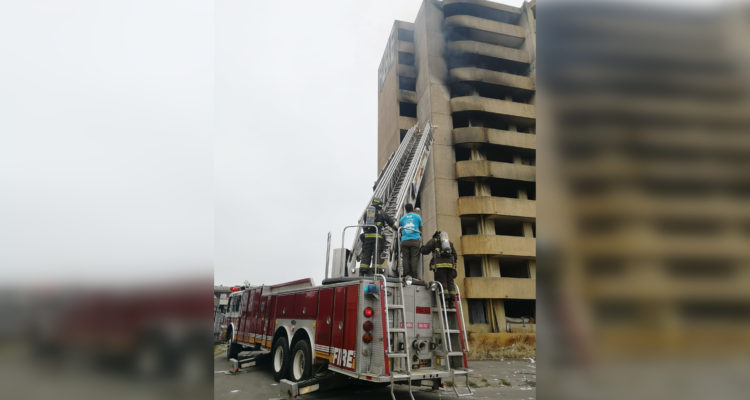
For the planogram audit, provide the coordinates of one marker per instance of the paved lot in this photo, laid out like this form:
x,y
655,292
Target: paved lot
x,y
490,378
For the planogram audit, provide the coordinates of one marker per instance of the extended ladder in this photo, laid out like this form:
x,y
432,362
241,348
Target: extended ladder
x,y
398,183
452,329
397,348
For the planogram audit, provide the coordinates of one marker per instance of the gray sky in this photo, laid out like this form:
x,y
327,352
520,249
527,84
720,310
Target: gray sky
x,y
150,139
106,119
296,112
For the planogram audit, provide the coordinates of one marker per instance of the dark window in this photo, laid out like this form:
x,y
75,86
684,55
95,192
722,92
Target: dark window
x,y
407,109
477,312
514,269
405,35
463,153
405,58
469,226
520,308
465,188
508,227
473,267
402,134
406,83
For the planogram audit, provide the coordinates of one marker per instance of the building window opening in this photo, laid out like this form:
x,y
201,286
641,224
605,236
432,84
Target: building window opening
x,y
405,35
514,268
473,267
466,188
469,226
407,109
405,58
521,309
508,227
477,313
402,135
406,83
463,153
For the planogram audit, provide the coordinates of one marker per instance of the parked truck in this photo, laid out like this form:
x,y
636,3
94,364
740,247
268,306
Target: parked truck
x,y
383,328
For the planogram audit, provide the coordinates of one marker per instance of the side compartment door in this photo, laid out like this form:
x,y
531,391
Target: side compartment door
x,y
323,324
344,335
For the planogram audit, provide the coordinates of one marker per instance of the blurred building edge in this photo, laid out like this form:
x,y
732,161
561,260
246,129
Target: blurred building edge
x,y
468,68
153,330
644,180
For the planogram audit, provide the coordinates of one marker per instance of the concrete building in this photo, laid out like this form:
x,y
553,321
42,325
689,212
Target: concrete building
x,y
468,67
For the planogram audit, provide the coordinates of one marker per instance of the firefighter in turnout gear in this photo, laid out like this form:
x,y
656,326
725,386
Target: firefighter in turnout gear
x,y
443,263
374,215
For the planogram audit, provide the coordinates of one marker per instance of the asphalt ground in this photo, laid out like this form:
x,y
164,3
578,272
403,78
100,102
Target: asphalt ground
x,y
502,379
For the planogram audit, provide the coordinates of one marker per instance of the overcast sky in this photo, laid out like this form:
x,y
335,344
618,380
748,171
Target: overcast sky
x,y
152,139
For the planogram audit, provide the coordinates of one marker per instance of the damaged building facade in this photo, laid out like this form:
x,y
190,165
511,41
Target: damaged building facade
x,y
468,67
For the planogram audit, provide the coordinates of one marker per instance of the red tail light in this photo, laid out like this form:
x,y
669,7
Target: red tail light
x,y
367,326
367,338
368,312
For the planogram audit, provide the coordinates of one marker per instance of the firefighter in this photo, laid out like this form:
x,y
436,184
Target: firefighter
x,y
443,263
374,215
411,240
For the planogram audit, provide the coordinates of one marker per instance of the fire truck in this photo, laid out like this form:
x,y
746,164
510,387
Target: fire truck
x,y
383,328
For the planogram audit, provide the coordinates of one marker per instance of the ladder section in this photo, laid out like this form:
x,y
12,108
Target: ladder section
x,y
399,181
397,352
455,343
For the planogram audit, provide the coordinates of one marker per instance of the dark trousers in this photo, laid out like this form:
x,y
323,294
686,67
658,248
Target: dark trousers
x,y
410,258
445,277
368,248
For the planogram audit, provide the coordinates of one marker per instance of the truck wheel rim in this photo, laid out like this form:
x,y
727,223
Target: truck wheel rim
x,y
278,357
298,367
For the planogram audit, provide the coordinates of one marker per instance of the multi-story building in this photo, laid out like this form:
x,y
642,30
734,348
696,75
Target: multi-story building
x,y
468,67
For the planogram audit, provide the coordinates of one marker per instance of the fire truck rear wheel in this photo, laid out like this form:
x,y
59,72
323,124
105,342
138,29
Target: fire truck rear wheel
x,y
233,350
301,361
280,358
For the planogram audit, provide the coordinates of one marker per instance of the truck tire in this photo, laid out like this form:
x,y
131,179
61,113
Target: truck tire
x,y
233,350
301,361
280,358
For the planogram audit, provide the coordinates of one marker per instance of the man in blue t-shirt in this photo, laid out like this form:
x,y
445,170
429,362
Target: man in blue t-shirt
x,y
411,240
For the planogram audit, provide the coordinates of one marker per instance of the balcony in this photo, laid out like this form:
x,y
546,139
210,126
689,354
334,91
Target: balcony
x,y
513,246
500,288
494,136
487,30
503,107
493,169
489,50
493,77
499,206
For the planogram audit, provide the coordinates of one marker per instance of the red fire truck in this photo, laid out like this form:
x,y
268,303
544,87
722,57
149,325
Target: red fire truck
x,y
376,329
383,328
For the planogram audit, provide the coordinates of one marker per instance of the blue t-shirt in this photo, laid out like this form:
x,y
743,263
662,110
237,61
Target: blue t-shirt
x,y
410,221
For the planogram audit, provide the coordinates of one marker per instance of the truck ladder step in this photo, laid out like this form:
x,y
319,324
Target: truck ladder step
x,y
397,355
399,330
455,354
449,330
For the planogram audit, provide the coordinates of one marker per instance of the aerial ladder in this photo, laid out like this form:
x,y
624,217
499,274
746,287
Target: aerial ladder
x,y
398,184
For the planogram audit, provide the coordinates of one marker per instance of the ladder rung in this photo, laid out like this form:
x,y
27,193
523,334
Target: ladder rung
x,y
396,306
397,355
439,310
455,354
398,330
449,330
